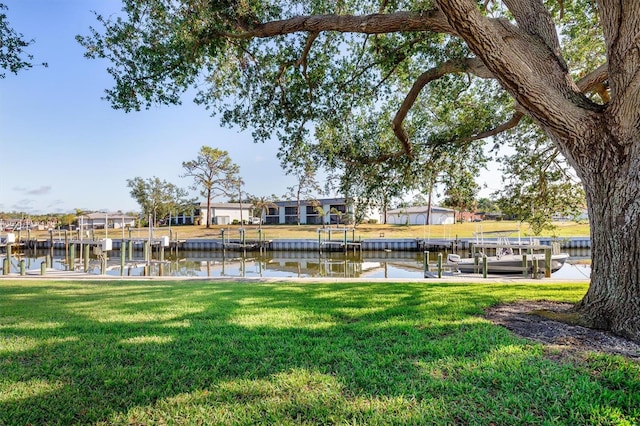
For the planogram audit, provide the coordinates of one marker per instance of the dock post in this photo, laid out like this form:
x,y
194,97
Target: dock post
x,y
48,261
66,248
86,257
485,266
146,251
22,266
6,267
319,241
222,237
43,267
176,244
547,263
525,270
123,253
476,264
426,263
72,256
130,250
439,265
103,264
345,241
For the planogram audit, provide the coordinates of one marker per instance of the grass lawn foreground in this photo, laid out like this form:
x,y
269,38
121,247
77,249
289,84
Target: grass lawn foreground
x,y
199,352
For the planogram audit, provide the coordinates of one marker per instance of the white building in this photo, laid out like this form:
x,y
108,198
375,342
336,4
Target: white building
x,y
225,213
324,211
417,215
98,220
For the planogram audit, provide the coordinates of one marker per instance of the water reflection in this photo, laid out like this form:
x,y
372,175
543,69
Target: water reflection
x,y
273,264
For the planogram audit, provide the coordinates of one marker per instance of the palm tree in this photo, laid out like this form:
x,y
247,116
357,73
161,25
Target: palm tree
x,y
262,204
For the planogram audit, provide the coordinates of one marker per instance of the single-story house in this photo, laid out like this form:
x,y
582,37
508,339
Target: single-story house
x,y
580,217
98,220
224,213
417,215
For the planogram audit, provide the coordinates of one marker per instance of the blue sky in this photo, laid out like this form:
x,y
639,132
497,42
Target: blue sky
x,y
62,147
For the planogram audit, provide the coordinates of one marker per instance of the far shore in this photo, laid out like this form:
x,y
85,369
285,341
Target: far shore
x,y
362,231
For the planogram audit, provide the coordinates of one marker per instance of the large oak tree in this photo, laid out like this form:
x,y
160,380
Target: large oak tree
x,y
446,73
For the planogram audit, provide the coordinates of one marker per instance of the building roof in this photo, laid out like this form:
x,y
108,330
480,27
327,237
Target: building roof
x,y
309,202
245,206
110,215
420,209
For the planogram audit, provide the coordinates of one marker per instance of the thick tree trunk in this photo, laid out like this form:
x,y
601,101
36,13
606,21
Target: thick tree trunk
x,y
612,186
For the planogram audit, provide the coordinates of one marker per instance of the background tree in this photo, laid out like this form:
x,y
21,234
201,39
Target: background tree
x,y
487,205
213,174
306,188
239,183
320,211
261,205
539,183
286,68
67,219
460,193
13,56
157,198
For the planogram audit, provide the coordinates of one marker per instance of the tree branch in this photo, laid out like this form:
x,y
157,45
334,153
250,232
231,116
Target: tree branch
x,y
303,61
454,66
431,20
594,79
534,18
527,67
513,122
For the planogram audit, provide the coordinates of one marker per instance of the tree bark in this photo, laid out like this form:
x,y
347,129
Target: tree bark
x,y
208,208
612,184
601,143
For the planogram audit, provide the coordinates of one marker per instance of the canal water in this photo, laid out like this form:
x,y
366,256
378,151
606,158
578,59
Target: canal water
x,y
272,264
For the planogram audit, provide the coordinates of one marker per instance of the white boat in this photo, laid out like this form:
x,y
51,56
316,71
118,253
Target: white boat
x,y
506,257
506,263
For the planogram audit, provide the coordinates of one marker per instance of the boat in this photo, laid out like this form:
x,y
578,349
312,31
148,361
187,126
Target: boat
x,y
506,263
506,257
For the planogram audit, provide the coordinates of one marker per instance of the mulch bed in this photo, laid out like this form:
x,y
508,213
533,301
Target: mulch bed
x,y
565,338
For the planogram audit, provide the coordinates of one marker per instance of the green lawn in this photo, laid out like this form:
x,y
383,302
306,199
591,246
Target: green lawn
x,y
197,352
363,231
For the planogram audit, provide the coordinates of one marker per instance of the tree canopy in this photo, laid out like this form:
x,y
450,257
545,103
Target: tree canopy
x,y
158,198
13,55
443,74
213,173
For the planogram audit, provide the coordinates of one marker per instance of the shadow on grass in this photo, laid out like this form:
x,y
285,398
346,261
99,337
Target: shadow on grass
x,y
278,353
